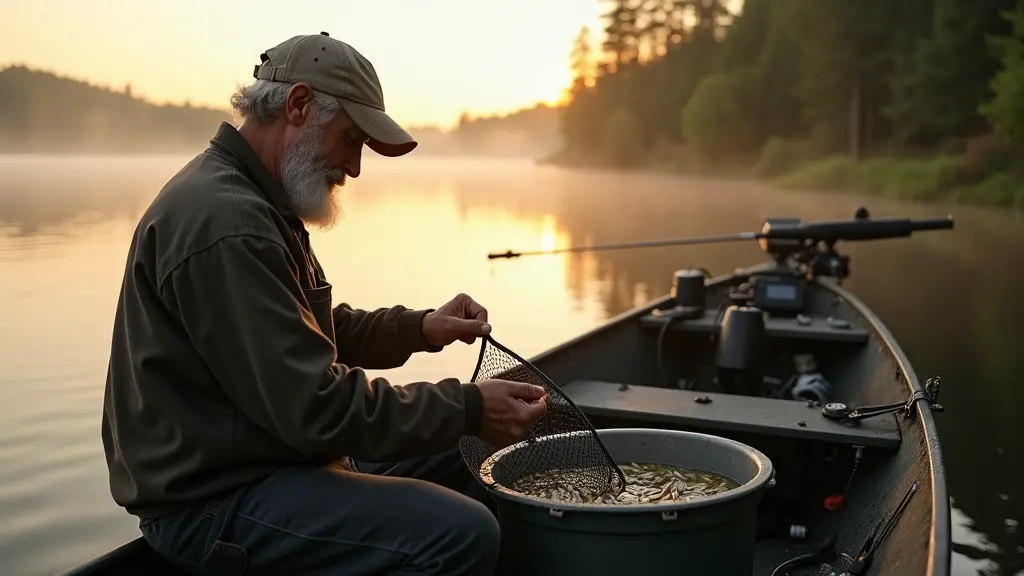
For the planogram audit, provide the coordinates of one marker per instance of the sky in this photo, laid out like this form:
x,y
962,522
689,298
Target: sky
x,y
435,58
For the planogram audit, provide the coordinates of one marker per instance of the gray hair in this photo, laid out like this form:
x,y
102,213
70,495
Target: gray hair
x,y
263,101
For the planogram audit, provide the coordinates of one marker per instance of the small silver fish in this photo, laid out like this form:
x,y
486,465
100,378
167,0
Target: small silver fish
x,y
645,483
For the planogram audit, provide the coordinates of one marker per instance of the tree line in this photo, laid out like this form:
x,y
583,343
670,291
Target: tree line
x,y
778,84
524,133
43,112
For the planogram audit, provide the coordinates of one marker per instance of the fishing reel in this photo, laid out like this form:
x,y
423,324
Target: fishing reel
x,y
781,249
815,254
828,262
813,259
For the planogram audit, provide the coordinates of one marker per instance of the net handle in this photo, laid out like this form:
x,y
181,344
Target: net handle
x,y
488,339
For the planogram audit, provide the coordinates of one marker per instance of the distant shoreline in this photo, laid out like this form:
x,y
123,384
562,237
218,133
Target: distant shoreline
x,y
43,113
926,180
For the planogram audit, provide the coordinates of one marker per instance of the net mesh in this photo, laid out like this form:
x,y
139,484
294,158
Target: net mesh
x,y
579,456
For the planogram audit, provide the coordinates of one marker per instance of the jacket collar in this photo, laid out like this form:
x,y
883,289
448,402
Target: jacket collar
x,y
230,141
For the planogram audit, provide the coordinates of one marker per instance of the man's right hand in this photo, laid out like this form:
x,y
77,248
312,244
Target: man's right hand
x,y
510,409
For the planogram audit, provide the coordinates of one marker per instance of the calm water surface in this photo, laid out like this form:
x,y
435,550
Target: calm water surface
x,y
416,232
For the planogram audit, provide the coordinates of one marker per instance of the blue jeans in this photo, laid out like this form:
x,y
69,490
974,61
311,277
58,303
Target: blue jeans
x,y
424,516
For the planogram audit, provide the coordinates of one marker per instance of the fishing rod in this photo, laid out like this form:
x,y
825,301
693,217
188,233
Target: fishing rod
x,y
778,236
627,245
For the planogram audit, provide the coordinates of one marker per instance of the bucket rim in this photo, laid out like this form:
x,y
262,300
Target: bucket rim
x,y
764,479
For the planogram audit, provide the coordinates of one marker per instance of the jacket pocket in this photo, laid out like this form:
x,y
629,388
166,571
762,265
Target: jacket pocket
x,y
319,300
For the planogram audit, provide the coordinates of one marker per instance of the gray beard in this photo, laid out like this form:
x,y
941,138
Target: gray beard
x,y
311,187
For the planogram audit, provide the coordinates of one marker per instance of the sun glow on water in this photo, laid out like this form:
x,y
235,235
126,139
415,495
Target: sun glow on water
x,y
549,233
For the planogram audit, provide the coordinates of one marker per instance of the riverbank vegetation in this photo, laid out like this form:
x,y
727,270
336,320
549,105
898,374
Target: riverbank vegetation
x,y
917,99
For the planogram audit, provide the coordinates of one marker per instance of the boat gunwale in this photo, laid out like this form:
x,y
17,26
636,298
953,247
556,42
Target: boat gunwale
x,y
941,530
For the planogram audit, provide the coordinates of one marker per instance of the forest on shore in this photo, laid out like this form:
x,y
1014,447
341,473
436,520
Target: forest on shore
x,y
41,112
44,113
916,99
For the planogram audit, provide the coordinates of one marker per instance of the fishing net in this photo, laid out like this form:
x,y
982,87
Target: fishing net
x,y
562,440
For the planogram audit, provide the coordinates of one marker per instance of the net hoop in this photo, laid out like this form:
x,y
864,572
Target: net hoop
x,y
472,447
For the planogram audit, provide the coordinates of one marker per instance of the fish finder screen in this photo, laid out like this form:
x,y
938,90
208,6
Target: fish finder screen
x,y
781,291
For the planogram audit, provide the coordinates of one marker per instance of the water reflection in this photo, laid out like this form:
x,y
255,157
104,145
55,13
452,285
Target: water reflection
x,y
42,193
416,232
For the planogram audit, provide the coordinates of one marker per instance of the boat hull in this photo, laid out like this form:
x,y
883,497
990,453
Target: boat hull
x,y
865,366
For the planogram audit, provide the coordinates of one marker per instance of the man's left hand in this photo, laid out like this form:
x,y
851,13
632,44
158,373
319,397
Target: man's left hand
x,y
460,319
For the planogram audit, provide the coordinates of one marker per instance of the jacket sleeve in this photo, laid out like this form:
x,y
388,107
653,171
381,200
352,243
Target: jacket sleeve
x,y
242,305
379,339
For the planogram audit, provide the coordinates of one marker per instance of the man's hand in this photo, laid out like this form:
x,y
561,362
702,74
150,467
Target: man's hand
x,y
460,319
510,409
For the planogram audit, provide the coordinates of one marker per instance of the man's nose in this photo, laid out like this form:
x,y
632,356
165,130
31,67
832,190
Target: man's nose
x,y
353,164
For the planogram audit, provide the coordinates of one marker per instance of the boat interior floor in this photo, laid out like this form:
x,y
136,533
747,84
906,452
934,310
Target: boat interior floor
x,y
769,554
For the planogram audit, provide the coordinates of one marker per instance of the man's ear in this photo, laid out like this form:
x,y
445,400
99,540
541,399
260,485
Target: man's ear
x,y
298,104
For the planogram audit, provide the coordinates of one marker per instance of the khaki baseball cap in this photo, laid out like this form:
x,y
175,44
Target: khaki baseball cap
x,y
333,67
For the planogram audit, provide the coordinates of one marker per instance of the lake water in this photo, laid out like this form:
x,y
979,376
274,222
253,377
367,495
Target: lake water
x,y
416,232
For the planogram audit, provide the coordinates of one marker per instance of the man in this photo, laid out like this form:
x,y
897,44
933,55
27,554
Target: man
x,y
238,422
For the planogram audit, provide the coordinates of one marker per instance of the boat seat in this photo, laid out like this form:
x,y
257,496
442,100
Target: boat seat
x,y
818,327
727,413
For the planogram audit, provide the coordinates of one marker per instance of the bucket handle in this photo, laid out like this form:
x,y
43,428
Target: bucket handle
x,y
771,481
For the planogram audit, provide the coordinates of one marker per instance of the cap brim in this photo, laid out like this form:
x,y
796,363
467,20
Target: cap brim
x,y
387,138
